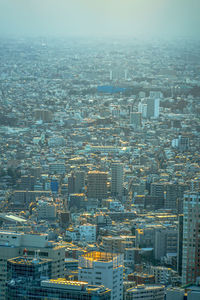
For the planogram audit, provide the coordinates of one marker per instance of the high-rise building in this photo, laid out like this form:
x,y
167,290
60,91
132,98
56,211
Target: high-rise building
x,y
117,177
76,182
180,244
157,190
171,196
153,106
71,184
46,209
182,143
135,119
142,108
155,94
97,185
43,114
191,238
102,268
26,183
79,181
77,201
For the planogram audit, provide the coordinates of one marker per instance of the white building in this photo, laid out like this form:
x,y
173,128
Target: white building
x,y
88,233
46,210
82,233
101,268
142,108
162,274
146,292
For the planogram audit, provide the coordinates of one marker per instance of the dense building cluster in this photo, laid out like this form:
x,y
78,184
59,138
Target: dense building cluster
x,y
99,169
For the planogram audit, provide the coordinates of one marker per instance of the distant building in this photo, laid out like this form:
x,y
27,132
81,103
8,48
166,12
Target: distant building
x,y
27,183
165,242
191,244
171,196
46,210
150,292
107,149
141,278
56,141
77,201
43,114
71,183
88,233
142,108
175,293
71,290
153,106
97,185
162,275
182,143
117,178
57,168
155,94
180,244
22,198
79,181
135,119
65,219
157,190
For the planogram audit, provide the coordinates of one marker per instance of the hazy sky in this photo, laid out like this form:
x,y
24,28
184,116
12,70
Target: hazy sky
x,y
100,17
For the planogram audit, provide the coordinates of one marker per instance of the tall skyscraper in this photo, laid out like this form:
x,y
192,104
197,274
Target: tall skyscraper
x,y
117,177
191,237
102,268
135,119
157,190
171,196
97,185
153,106
180,244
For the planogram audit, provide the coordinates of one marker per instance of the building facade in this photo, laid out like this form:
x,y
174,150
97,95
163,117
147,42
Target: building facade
x,y
102,268
146,292
117,177
191,238
97,185
13,244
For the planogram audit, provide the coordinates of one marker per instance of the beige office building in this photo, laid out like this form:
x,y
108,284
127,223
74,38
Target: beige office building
x,y
14,244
